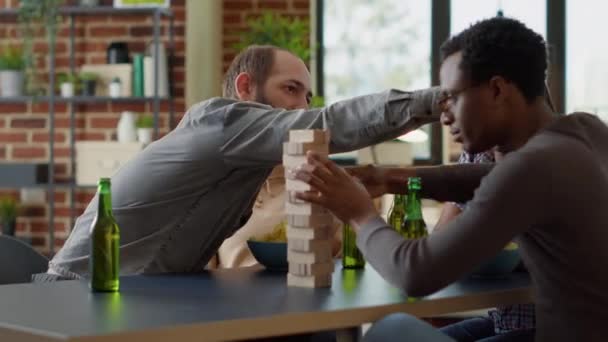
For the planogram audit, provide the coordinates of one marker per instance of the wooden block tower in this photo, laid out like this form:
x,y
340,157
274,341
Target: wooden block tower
x,y
308,225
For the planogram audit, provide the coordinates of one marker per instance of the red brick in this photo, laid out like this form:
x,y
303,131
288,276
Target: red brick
x,y
63,211
43,107
142,31
130,19
90,136
39,242
29,152
65,123
89,46
62,152
33,211
97,59
238,5
137,46
301,4
93,107
60,47
12,137
21,227
61,197
85,197
64,62
175,3
104,31
179,14
2,152
28,123
103,122
232,18
94,19
126,106
59,242
13,108
272,4
2,123
65,32
61,169
44,137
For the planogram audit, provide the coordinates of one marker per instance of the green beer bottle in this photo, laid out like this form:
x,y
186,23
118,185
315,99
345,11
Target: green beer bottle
x,y
396,215
414,226
351,255
105,239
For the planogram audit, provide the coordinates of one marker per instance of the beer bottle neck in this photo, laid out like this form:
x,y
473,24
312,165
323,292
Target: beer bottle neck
x,y
105,200
414,210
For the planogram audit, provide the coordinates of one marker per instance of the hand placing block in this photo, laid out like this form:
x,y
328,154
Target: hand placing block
x,y
309,281
311,269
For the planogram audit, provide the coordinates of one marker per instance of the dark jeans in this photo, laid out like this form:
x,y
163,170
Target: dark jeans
x,y
482,329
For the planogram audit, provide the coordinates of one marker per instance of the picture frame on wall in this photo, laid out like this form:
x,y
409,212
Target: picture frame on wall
x,y
141,3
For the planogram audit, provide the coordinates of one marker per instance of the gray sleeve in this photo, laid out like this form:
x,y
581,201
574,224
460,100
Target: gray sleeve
x,y
254,133
511,199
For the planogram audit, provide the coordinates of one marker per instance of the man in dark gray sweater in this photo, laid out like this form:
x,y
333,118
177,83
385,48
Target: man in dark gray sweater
x,y
547,193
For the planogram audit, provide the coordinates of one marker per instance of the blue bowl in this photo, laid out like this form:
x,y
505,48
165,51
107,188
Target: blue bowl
x,y
272,255
500,265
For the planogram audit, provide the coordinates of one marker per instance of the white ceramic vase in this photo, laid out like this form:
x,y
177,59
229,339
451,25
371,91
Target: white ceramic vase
x,y
126,128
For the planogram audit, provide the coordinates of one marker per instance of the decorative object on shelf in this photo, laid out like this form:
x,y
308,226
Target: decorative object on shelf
x,y
142,3
11,71
88,83
88,3
97,159
125,131
8,215
108,72
138,74
114,88
37,16
145,125
68,83
163,76
118,53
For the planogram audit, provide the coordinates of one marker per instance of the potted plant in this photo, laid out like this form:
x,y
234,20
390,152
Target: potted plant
x,y
8,215
68,83
88,83
144,124
12,65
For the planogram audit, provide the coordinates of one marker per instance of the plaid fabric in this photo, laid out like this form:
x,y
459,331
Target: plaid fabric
x,y
506,318
513,317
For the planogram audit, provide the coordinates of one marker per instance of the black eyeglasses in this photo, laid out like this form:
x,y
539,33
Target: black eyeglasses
x,y
449,97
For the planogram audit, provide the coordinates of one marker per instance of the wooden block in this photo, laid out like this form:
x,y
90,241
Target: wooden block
x,y
293,162
291,198
320,233
323,255
310,221
308,245
318,136
300,149
309,281
304,209
297,185
311,269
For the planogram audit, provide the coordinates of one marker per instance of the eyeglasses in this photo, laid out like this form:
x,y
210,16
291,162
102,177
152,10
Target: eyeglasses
x,y
449,97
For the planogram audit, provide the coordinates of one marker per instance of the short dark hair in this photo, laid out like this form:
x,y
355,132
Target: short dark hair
x,y
257,60
502,47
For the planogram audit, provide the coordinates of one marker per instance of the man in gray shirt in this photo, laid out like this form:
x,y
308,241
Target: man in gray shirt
x,y
548,192
178,199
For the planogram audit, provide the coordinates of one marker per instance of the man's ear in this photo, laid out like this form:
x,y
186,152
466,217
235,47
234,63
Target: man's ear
x,y
499,87
243,84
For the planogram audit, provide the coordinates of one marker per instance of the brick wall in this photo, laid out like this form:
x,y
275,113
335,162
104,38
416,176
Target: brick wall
x,y
24,126
236,13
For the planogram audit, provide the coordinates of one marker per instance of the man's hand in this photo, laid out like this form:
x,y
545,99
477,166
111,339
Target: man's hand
x,y
336,190
373,178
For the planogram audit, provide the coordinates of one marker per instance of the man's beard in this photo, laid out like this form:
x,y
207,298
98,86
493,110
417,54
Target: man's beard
x,y
260,97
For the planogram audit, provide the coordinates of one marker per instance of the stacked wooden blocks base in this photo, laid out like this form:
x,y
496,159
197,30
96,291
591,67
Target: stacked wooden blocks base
x,y
308,225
